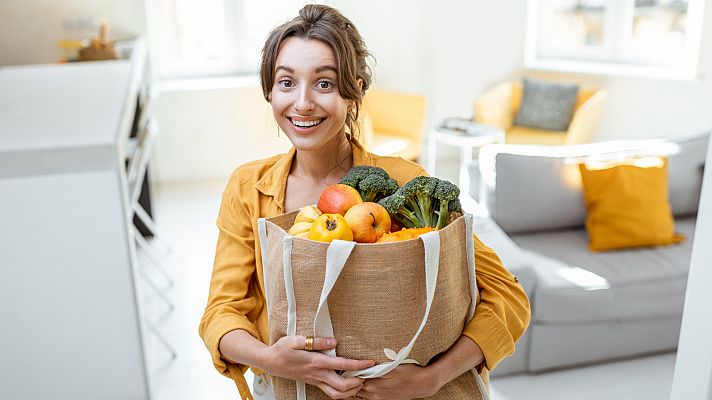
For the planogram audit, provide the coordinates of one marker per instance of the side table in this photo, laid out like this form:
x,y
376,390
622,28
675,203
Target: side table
x,y
477,138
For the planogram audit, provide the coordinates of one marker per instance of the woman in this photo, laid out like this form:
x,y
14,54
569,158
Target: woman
x,y
314,74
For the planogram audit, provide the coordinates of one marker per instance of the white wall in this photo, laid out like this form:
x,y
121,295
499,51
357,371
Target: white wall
x,y
205,134
30,29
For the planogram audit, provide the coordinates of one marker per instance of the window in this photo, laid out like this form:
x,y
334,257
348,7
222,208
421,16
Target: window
x,y
640,37
192,39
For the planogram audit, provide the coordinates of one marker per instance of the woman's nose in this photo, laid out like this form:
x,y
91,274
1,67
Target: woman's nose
x,y
304,102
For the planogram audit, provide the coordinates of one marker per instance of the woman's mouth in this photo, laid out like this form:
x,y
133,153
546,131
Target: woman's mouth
x,y
306,124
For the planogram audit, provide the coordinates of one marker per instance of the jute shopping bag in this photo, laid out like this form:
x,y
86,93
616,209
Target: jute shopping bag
x,y
402,302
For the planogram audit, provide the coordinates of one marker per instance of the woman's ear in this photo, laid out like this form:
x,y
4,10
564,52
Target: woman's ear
x,y
360,85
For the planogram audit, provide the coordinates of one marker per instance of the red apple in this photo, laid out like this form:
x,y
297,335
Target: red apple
x,y
337,199
368,221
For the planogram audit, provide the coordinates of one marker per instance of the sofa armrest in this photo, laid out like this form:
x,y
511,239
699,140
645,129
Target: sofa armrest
x,y
585,119
494,106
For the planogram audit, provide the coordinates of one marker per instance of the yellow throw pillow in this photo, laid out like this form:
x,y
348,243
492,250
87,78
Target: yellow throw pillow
x,y
627,204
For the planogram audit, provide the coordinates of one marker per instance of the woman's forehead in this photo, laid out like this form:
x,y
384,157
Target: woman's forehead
x,y
305,55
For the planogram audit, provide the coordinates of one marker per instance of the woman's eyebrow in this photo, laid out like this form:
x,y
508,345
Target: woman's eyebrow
x,y
317,70
326,68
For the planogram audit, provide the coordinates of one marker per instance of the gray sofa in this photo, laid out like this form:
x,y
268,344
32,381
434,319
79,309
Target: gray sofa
x,y
586,306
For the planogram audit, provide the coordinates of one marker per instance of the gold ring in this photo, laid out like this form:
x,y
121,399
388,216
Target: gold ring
x,y
309,343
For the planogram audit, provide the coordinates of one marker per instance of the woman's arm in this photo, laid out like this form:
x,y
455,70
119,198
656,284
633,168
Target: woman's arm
x,y
502,314
287,358
410,381
234,303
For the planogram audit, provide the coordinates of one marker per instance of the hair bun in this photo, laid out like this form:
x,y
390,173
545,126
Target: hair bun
x,y
312,13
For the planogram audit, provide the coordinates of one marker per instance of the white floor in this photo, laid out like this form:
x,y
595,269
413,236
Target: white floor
x,y
186,214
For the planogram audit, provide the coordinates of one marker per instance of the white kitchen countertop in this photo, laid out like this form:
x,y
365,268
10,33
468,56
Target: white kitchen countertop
x,y
59,118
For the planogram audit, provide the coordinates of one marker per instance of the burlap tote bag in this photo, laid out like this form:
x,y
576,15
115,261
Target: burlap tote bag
x,y
403,302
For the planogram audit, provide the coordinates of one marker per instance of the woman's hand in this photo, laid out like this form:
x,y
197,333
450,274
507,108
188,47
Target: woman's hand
x,y
287,358
410,381
405,382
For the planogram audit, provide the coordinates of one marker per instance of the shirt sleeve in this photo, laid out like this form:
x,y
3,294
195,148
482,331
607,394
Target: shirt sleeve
x,y
502,314
234,300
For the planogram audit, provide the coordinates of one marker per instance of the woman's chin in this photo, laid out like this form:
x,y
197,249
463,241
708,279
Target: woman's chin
x,y
309,143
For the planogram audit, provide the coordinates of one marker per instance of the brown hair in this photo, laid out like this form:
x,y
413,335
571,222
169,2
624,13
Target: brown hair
x,y
326,24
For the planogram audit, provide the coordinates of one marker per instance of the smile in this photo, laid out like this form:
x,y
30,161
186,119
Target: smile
x,y
305,124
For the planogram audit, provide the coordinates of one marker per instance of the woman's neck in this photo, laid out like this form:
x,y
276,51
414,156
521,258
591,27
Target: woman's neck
x,y
326,165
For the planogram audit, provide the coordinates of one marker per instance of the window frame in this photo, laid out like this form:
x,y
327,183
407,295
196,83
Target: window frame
x,y
614,57
228,70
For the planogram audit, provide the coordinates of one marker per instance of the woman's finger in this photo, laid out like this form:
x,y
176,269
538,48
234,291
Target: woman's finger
x,y
342,364
336,394
340,383
320,343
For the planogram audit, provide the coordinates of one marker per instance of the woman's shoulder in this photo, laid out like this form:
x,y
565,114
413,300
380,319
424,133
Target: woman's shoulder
x,y
398,168
252,172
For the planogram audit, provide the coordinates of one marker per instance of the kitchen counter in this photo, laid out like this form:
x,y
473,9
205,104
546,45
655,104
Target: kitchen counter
x,y
68,275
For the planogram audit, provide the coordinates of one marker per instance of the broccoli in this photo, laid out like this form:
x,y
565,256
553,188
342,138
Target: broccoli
x,y
447,194
372,183
424,201
420,191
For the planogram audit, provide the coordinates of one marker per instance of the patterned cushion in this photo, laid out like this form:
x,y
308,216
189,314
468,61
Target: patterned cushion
x,y
547,105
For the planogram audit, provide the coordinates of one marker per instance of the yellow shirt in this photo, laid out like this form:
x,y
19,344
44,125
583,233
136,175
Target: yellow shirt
x,y
236,299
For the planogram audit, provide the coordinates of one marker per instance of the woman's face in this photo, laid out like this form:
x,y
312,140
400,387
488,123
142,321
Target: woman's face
x,y
305,100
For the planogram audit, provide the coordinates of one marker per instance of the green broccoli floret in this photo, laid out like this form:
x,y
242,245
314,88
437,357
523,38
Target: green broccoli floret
x,y
396,206
447,194
420,198
424,201
372,183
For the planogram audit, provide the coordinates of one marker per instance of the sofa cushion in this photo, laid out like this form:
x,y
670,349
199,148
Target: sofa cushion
x,y
575,286
627,204
547,105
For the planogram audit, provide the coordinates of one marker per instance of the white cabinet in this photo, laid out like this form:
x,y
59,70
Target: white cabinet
x,y
70,325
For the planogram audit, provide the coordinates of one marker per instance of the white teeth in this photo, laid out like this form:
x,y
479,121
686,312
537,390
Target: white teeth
x,y
305,124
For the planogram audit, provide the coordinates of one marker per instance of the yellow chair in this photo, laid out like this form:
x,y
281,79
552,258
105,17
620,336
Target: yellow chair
x,y
393,124
499,105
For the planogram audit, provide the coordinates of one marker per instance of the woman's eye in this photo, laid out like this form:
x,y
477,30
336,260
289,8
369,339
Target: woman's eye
x,y
325,84
286,83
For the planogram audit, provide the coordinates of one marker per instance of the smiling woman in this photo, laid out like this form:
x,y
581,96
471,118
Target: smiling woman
x,y
305,99
314,75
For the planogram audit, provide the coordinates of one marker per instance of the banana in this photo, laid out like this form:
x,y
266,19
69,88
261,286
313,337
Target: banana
x,y
303,235
300,228
307,214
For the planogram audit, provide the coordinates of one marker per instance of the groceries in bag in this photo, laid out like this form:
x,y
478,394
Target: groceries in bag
x,y
374,206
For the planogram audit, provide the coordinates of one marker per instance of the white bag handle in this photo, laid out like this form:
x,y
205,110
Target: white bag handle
x,y
336,258
291,303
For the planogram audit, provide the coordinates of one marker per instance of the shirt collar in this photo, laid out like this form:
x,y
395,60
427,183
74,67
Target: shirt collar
x,y
274,181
